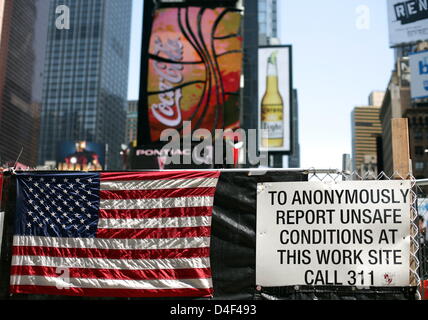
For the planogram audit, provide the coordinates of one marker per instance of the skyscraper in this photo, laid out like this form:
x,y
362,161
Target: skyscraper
x,y
398,104
260,29
249,105
131,122
366,128
86,77
23,26
268,22
294,159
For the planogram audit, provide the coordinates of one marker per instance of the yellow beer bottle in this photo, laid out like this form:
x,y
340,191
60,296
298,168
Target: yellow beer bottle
x,y
272,108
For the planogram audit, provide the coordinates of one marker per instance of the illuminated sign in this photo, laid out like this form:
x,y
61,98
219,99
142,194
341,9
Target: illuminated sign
x,y
80,155
194,70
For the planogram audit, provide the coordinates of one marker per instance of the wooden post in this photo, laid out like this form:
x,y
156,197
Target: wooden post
x,y
403,168
401,148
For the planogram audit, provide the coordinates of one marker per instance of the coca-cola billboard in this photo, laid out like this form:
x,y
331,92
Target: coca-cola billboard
x,y
194,69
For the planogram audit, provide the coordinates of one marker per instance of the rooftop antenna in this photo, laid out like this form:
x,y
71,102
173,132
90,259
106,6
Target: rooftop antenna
x,y
14,166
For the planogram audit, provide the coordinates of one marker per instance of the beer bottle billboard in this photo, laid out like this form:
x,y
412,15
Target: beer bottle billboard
x,y
272,107
274,99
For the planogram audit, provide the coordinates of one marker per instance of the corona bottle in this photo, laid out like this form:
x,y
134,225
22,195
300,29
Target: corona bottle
x,y
272,108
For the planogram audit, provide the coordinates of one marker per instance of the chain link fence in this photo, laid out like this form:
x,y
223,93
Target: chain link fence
x,y
418,217
421,221
232,209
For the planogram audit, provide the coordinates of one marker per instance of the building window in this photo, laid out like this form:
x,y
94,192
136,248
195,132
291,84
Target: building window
x,y
364,124
419,151
420,166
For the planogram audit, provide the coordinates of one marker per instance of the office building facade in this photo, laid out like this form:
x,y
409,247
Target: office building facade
x,y
294,158
366,128
346,163
376,98
261,18
131,122
86,77
398,104
249,98
268,21
416,111
393,106
418,137
23,26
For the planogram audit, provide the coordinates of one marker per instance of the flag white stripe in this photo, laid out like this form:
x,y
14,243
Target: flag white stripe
x,y
163,203
183,222
119,244
111,284
97,263
159,184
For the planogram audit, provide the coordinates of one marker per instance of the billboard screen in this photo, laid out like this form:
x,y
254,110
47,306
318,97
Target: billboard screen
x,y
194,69
408,21
275,87
80,155
419,75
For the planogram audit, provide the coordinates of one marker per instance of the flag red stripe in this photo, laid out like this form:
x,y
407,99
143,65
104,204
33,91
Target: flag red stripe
x,y
118,274
156,194
131,293
161,233
156,213
159,175
111,253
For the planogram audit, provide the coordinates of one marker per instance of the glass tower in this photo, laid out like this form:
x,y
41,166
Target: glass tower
x,y
86,77
23,26
131,122
268,23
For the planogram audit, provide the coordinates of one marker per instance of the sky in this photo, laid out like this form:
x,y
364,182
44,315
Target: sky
x,y
336,66
340,55
136,37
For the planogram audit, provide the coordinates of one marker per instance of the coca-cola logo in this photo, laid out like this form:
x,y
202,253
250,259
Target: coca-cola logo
x,y
168,111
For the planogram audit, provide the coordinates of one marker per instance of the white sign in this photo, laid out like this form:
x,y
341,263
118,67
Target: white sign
x,y
408,21
275,99
351,233
419,74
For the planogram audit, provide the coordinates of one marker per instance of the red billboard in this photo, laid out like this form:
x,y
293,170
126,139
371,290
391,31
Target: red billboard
x,y
195,63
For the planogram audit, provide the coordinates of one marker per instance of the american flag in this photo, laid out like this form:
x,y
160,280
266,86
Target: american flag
x,y
114,234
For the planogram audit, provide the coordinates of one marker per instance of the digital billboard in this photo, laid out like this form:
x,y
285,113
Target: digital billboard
x,y
408,21
80,155
275,87
194,69
419,75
